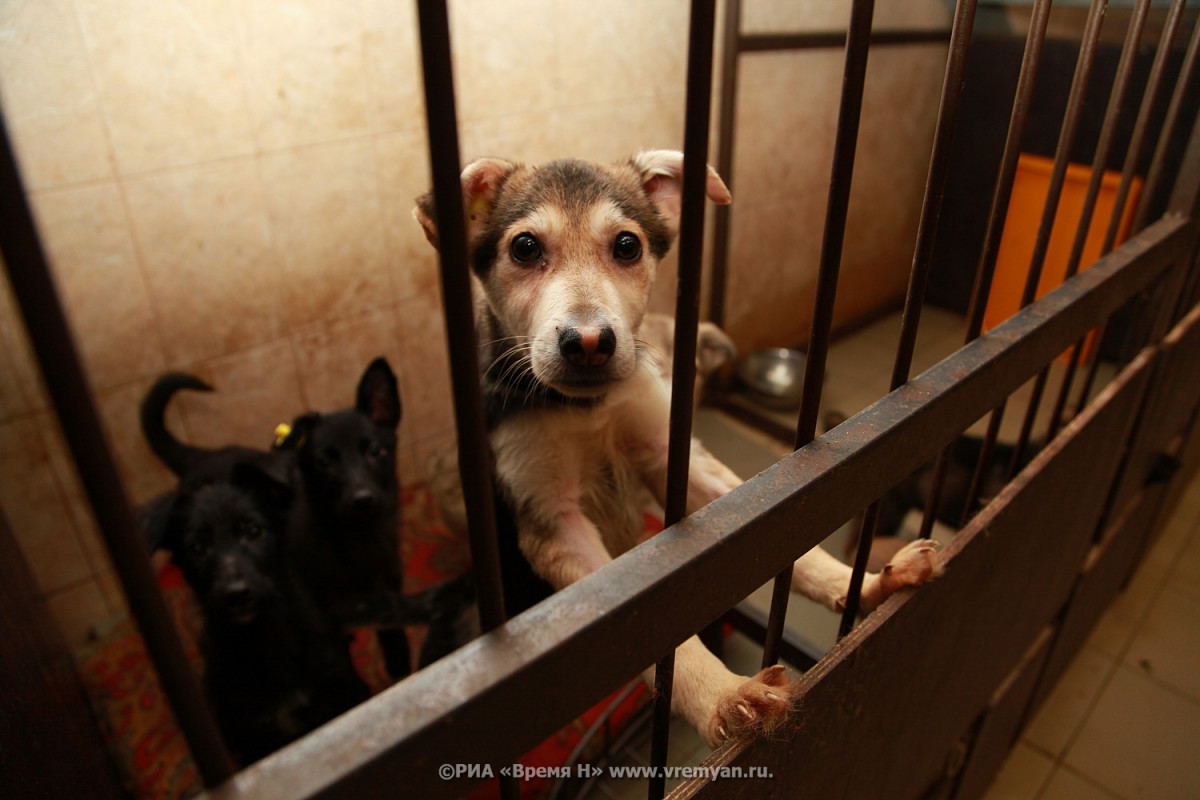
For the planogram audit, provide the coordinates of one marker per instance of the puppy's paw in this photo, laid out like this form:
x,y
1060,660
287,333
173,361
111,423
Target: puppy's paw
x,y
914,564
755,708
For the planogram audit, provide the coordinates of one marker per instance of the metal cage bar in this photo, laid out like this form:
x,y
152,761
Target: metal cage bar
x,y
858,46
37,297
687,320
985,271
1112,115
931,207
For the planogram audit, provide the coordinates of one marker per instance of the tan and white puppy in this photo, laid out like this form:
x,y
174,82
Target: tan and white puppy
x,y
564,256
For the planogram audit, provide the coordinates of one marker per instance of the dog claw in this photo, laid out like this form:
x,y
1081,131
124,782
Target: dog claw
x,y
745,711
754,708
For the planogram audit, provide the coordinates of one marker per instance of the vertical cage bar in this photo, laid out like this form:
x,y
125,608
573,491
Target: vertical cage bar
x,y
474,463
687,320
722,216
33,286
1170,123
986,269
474,466
1116,104
854,75
1136,142
918,279
1062,157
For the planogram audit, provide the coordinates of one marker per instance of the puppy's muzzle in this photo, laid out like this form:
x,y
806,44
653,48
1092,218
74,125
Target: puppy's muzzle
x,y
587,345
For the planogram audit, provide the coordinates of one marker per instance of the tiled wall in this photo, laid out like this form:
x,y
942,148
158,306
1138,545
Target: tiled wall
x,y
225,188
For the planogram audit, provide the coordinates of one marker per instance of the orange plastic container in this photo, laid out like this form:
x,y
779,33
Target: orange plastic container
x,y
1021,226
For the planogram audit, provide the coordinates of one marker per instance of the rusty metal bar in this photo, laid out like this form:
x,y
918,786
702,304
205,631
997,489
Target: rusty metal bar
x,y
1058,173
771,42
918,281
726,135
473,461
50,335
1136,142
714,557
1116,104
858,47
1170,123
985,272
687,319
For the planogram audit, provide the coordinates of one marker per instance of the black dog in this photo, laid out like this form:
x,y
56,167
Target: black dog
x,y
344,536
273,672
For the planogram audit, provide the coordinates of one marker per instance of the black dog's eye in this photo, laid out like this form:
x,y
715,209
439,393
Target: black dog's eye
x,y
252,530
525,248
326,459
198,546
376,450
627,247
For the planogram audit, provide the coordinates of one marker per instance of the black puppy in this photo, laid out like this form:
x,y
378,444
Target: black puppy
x,y
273,671
344,536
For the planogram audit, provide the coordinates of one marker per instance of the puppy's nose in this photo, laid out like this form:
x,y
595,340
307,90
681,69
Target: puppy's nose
x,y
587,345
363,499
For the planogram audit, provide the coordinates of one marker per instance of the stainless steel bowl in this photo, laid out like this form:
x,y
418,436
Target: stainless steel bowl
x,y
775,375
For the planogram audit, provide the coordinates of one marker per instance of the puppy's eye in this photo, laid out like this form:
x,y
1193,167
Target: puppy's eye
x,y
525,248
376,450
627,247
198,546
251,530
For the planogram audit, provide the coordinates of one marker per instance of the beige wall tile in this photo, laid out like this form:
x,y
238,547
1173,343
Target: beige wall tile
x,y
328,225
614,52
504,58
403,176
305,71
253,391
170,80
424,371
215,274
50,101
395,89
36,509
333,355
88,242
817,15
21,388
142,474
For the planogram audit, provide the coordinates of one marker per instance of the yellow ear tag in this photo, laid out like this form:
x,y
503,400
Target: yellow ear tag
x,y
477,209
282,430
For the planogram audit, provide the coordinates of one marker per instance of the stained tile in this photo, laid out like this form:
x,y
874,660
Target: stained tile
x,y
1068,704
142,474
86,233
36,510
305,71
1167,646
21,389
490,79
1024,772
424,372
1066,785
403,177
253,391
327,222
175,96
216,277
640,59
395,90
79,611
332,356
51,106
1137,740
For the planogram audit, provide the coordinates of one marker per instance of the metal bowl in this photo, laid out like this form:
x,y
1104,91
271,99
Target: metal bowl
x,y
775,375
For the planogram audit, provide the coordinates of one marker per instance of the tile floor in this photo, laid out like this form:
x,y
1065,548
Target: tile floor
x,y
1124,721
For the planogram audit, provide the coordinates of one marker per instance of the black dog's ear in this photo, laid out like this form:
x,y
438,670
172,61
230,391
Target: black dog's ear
x,y
298,433
265,487
155,518
379,395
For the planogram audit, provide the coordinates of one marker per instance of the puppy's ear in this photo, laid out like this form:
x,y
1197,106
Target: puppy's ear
x,y
301,428
266,488
662,180
379,395
481,182
156,520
